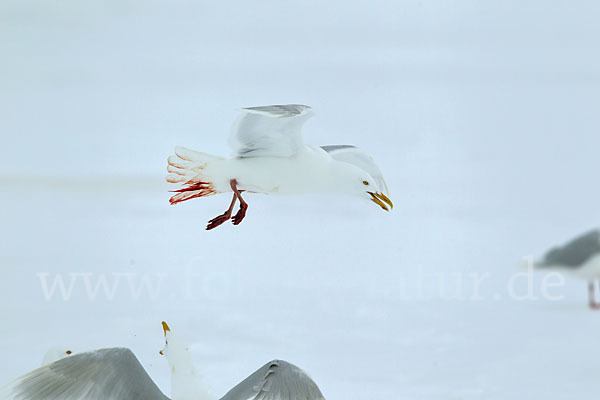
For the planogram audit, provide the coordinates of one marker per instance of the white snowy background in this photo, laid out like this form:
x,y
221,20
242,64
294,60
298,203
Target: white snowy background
x,y
483,116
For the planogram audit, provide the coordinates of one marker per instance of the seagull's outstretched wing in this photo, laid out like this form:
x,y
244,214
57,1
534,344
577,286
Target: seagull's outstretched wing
x,y
274,131
576,252
113,374
276,380
355,156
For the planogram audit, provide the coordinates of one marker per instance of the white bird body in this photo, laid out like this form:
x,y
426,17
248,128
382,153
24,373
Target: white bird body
x,y
186,382
313,169
589,270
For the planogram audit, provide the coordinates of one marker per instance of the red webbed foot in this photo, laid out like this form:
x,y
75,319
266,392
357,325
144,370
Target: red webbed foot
x,y
218,220
239,216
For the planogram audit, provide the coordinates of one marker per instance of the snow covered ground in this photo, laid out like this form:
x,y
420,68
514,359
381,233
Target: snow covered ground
x,y
482,115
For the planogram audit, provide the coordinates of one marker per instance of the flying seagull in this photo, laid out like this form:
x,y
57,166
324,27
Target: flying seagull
x,y
116,374
270,157
579,257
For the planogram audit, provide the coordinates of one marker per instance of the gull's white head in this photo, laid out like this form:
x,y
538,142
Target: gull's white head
x,y
176,350
356,182
55,354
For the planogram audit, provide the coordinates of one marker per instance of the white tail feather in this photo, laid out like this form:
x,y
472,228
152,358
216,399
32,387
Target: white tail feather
x,y
185,167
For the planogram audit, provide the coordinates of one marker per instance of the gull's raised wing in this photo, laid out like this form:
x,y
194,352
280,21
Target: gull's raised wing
x,y
576,252
355,156
104,374
276,380
270,131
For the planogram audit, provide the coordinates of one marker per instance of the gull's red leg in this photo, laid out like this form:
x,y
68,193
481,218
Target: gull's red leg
x,y
218,220
592,296
239,216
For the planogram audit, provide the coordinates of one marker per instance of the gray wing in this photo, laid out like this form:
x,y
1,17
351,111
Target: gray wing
x,y
355,156
576,252
274,131
276,380
106,374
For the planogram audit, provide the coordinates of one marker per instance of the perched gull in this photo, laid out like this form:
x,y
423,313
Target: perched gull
x,y
579,257
116,374
270,157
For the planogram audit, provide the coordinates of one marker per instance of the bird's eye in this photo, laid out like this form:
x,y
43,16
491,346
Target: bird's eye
x,y
365,183
69,352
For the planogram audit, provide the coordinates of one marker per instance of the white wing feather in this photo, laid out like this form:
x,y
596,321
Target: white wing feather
x,y
270,131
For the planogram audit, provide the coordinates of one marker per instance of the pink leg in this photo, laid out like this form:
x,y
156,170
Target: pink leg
x,y
237,218
592,296
218,220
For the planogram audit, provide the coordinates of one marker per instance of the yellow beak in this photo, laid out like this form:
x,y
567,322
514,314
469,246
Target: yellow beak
x,y
381,200
165,327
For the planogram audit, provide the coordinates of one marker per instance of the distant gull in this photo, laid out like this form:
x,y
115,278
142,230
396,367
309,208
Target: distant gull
x,y
579,257
116,374
270,157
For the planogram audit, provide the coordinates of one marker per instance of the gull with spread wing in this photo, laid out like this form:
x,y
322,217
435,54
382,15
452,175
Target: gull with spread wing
x,y
116,374
270,157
